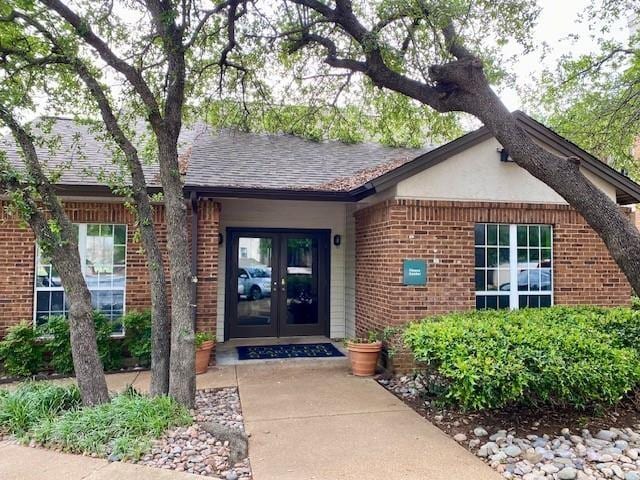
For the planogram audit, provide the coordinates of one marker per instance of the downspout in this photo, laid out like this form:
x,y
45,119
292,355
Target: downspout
x,y
194,256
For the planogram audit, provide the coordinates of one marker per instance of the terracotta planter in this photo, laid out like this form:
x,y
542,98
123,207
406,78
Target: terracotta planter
x,y
364,357
202,357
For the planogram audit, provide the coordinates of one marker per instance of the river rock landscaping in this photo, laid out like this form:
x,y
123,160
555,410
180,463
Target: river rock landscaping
x,y
532,444
215,445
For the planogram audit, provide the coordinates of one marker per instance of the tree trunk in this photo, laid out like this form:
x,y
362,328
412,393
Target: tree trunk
x,y
65,257
182,377
616,229
160,324
86,361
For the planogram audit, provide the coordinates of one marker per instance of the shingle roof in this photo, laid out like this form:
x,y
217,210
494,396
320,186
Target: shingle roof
x,y
225,158
229,158
73,147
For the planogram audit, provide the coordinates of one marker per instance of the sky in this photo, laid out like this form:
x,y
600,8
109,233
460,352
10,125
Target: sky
x,y
558,19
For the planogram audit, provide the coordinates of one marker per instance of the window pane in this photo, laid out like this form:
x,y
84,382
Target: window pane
x,y
480,280
534,236
545,301
42,301
504,279
545,257
118,255
106,230
120,235
504,257
93,230
534,279
480,302
118,277
480,252
522,301
42,276
534,257
492,279
522,257
545,279
57,301
492,301
545,236
492,235
479,233
503,301
523,280
522,236
504,235
492,257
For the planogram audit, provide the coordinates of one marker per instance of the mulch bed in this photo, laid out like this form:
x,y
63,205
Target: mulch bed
x,y
525,420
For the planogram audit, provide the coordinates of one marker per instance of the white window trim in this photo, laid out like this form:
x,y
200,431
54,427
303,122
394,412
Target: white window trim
x,y
514,294
82,238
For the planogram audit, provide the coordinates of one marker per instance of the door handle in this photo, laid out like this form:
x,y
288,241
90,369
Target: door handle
x,y
283,282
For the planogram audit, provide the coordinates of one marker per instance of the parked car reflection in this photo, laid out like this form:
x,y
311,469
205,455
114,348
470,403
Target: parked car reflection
x,y
534,279
254,283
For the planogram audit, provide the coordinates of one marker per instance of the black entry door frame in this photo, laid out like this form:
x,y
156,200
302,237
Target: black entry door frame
x,y
278,304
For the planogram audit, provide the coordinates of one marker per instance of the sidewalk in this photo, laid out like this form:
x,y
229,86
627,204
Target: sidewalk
x,y
307,421
316,421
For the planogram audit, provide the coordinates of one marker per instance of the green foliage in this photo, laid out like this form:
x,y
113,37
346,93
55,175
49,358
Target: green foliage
x,y
34,402
137,326
593,98
202,337
20,351
59,344
565,356
125,427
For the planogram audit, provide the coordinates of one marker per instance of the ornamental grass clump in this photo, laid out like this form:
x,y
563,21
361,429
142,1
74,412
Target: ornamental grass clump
x,y
560,356
122,429
34,402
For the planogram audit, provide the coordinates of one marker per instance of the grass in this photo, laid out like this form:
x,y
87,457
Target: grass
x,y
53,417
32,403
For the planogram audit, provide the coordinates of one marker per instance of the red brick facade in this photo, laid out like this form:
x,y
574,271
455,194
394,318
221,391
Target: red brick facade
x,y
442,233
17,258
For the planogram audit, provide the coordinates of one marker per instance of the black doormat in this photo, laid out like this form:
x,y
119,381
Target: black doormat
x,y
291,350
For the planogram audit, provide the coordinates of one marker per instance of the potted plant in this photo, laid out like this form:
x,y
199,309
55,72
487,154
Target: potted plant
x,y
204,345
363,354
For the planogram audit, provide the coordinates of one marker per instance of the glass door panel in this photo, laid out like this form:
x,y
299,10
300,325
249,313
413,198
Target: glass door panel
x,y
302,281
255,276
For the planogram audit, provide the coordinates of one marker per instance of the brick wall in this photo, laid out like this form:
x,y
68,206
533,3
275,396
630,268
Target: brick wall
x,y
17,258
388,232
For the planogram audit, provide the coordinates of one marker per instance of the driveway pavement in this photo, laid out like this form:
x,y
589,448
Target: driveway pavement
x,y
306,420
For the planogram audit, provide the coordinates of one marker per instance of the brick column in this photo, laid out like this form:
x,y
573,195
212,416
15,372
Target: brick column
x,y
207,273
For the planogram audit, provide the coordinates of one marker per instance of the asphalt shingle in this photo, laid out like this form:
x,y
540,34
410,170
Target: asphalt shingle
x,y
225,158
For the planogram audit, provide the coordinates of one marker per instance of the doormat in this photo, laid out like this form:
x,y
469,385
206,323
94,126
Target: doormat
x,y
291,350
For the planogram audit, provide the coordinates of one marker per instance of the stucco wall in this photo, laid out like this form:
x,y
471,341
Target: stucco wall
x,y
258,213
477,174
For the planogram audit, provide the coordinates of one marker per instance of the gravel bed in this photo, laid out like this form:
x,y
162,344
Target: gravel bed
x,y
214,446
572,453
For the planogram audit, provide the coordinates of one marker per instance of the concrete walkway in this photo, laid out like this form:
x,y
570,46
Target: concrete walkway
x,y
307,421
316,421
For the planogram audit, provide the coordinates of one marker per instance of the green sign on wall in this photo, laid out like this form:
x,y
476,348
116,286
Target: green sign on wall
x,y
414,272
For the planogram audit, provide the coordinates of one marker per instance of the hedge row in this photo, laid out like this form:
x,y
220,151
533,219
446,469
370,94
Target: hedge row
x,y
26,351
565,356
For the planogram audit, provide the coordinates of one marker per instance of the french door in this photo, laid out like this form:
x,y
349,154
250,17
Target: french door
x,y
277,283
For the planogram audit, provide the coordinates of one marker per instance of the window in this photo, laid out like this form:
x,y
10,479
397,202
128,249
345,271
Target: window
x,y
103,258
513,266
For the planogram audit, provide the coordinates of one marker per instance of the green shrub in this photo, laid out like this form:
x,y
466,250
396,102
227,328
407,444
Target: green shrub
x,y
138,335
59,344
125,427
20,351
34,402
559,355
